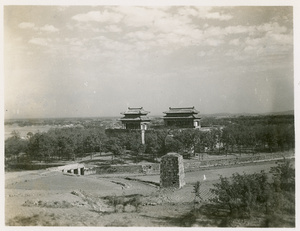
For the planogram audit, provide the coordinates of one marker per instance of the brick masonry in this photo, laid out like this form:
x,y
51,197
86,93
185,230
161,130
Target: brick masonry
x,y
172,171
154,168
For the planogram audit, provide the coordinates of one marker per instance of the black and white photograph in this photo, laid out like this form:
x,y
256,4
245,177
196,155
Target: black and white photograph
x,y
150,114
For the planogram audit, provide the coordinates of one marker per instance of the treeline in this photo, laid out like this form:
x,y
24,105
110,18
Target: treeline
x,y
230,139
249,120
71,143
56,144
79,122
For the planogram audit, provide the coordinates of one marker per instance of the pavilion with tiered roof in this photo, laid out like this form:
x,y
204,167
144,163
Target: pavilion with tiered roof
x,y
184,117
135,118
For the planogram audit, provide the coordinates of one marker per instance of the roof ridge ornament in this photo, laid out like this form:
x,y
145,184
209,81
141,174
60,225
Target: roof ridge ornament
x,y
130,108
193,107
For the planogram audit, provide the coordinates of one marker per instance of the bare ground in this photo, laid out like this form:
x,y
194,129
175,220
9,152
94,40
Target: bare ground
x,y
45,198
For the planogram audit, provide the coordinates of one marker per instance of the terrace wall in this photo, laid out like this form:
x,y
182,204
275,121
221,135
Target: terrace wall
x,y
143,169
188,166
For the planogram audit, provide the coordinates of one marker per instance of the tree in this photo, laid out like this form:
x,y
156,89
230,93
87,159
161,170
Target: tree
x,y
187,138
113,145
271,137
88,144
172,144
152,145
161,137
290,136
34,146
100,140
200,142
241,193
78,137
14,145
210,139
15,134
29,135
137,148
47,147
284,176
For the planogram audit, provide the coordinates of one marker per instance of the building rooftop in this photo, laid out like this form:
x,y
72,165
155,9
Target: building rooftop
x,y
182,117
135,111
182,110
140,118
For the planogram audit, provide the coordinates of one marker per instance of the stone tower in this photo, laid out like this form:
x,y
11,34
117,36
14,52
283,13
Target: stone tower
x,y
172,171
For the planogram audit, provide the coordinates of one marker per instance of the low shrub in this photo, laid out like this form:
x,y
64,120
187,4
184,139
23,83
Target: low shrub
x,y
241,193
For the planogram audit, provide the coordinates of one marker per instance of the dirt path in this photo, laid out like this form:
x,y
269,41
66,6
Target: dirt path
x,y
51,198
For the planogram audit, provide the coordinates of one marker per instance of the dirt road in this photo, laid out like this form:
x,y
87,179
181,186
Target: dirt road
x,y
51,198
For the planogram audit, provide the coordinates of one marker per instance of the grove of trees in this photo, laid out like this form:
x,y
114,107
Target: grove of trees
x,y
239,135
255,195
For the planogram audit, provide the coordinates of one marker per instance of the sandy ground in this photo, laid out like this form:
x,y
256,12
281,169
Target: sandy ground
x,y
51,198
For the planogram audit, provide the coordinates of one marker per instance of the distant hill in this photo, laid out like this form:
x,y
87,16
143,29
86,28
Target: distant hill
x,y
290,112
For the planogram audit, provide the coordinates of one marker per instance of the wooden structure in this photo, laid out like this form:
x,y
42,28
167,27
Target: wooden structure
x,y
135,118
185,117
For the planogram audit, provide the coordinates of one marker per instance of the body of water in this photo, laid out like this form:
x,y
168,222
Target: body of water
x,y
24,130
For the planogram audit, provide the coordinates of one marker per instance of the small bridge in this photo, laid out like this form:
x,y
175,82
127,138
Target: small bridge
x,y
77,169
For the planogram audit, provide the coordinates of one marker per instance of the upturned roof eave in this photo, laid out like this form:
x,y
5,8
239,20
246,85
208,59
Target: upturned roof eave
x,y
135,113
177,117
134,119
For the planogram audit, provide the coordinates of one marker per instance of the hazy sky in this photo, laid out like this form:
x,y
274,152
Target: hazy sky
x,y
96,61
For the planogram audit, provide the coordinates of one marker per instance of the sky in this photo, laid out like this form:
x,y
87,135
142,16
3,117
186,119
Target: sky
x,y
90,61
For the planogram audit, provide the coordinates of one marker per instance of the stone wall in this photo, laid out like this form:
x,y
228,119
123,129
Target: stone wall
x,y
195,165
89,171
142,169
172,171
188,165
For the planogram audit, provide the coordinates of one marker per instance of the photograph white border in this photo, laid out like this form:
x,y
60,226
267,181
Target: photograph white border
x,y
296,7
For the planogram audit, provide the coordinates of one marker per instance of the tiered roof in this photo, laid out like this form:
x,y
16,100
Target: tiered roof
x,y
135,111
182,112
141,118
135,114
